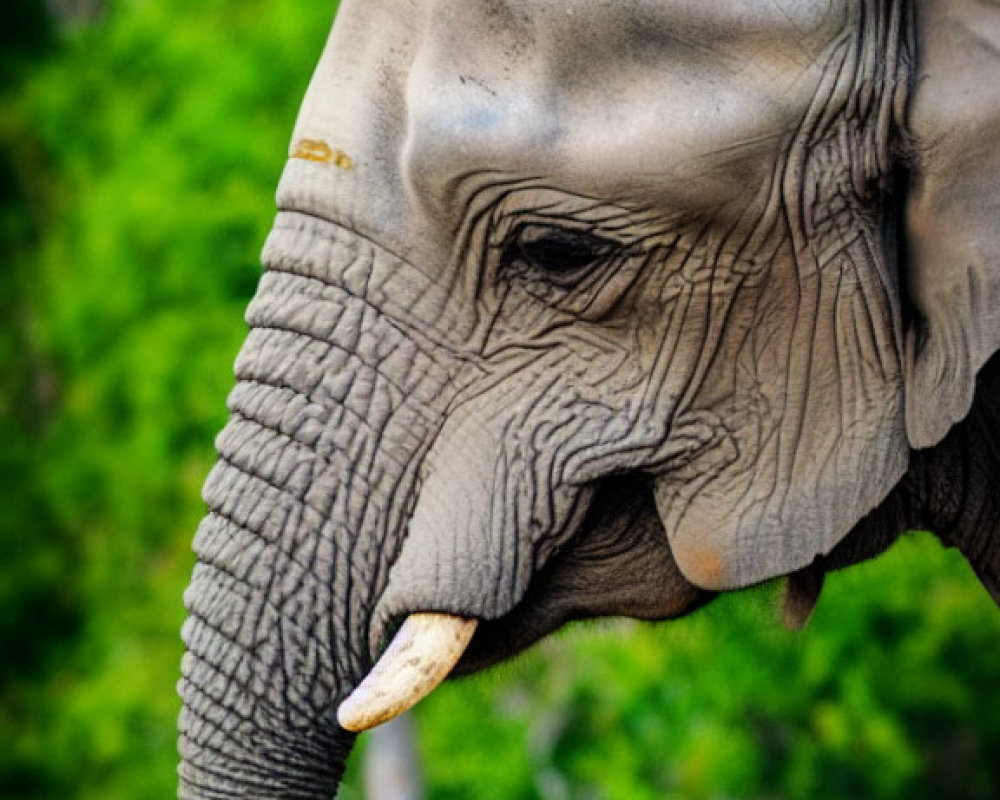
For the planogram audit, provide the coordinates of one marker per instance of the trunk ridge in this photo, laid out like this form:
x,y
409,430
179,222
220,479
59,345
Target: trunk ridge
x,y
331,417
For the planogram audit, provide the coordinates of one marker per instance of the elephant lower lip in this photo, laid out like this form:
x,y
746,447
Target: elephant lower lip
x,y
617,564
498,640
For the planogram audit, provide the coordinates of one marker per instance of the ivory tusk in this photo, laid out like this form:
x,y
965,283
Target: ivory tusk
x,y
418,659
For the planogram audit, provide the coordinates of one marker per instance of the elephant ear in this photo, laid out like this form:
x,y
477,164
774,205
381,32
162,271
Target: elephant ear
x,y
952,274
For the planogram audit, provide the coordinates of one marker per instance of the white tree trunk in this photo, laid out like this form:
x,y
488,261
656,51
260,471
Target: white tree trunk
x,y
392,765
68,12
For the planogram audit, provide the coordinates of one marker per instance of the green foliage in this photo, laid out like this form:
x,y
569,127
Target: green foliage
x,y
138,159
889,693
142,155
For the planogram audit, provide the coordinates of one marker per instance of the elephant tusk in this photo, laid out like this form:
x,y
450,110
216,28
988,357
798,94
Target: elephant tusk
x,y
420,656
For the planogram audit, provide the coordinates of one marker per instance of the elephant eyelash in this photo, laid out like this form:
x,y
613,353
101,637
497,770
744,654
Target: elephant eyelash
x,y
560,255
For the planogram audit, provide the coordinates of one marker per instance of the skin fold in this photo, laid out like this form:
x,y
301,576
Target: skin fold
x,y
592,309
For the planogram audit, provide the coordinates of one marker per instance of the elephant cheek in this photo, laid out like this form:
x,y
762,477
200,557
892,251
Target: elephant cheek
x,y
729,528
315,480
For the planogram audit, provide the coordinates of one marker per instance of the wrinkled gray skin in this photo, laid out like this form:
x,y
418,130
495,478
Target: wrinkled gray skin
x,y
594,307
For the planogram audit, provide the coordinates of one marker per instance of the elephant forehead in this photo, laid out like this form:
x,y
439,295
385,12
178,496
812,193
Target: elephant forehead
x,y
621,99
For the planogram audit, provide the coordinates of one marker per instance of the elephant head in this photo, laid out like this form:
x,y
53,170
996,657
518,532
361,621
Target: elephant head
x,y
590,308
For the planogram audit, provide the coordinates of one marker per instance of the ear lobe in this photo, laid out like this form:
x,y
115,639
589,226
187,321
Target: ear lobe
x,y
952,212
956,484
802,591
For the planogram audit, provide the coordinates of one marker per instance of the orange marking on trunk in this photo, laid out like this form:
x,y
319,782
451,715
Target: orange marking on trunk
x,y
320,152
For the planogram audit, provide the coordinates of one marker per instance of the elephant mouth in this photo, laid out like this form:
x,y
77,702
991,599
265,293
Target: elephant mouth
x,y
617,564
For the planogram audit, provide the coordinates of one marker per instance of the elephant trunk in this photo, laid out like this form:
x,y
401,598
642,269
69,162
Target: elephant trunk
x,y
331,416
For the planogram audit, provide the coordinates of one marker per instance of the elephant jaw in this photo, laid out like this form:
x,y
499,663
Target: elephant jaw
x,y
421,655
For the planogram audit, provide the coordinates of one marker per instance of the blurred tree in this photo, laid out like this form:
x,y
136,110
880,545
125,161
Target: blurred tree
x,y
391,769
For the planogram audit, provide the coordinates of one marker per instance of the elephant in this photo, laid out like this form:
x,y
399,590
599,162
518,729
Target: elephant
x,y
590,308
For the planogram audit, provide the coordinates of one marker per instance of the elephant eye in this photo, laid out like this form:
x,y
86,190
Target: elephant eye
x,y
559,253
